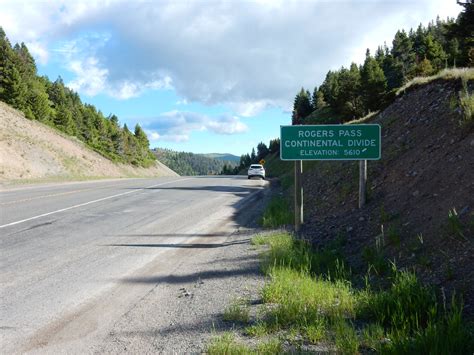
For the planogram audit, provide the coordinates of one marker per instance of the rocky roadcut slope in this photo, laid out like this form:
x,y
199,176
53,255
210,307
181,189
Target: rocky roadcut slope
x,y
420,210
29,150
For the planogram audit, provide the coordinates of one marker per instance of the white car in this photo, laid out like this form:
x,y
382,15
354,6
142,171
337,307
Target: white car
x,y
256,170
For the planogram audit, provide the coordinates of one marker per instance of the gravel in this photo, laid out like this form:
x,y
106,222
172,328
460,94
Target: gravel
x,y
184,309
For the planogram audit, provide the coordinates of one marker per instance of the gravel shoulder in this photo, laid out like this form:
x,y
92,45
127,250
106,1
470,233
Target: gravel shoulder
x,y
184,309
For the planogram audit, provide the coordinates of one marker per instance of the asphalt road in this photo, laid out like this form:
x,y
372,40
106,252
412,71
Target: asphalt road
x,y
66,248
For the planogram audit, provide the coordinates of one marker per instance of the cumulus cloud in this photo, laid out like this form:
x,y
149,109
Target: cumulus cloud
x,y
177,126
248,55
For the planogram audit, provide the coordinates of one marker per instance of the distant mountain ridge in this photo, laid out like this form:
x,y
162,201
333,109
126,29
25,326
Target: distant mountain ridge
x,y
189,164
222,156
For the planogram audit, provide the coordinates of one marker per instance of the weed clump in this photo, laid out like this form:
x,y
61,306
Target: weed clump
x,y
277,213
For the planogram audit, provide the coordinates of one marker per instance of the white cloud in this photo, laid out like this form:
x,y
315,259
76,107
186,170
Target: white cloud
x,y
38,51
249,55
90,77
230,125
177,126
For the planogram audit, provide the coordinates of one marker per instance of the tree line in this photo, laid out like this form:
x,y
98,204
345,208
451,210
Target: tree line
x,y
351,93
190,164
253,158
58,106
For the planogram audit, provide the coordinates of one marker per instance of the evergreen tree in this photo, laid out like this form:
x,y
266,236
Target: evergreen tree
x,y
463,30
373,83
253,156
274,145
141,137
38,102
262,151
402,52
453,51
435,53
301,107
348,100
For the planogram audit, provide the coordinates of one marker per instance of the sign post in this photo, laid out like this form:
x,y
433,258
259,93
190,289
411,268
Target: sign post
x,y
298,195
362,182
329,142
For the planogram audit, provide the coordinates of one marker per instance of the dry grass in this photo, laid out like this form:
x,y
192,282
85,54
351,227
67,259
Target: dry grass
x,y
446,74
363,119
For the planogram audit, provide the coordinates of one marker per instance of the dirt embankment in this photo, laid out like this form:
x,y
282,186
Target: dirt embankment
x,y
31,151
420,210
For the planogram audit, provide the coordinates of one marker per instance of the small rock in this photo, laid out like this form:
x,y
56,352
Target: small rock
x,y
452,141
435,195
464,210
361,219
349,229
416,193
472,143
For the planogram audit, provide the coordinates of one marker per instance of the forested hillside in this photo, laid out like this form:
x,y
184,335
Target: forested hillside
x,y
58,106
189,164
353,92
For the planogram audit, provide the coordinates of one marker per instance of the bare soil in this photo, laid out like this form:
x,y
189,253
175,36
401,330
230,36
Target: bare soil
x,y
31,151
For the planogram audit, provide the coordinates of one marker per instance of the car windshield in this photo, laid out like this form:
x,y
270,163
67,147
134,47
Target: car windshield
x,y
256,166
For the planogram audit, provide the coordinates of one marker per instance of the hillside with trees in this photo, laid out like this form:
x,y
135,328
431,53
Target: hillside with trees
x,y
253,158
351,93
31,151
55,105
190,164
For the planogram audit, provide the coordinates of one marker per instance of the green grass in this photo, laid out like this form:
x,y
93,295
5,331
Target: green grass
x,y
304,303
226,344
277,213
274,167
466,102
303,300
257,330
237,311
455,227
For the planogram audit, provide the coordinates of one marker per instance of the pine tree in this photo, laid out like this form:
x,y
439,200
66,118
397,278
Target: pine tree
x,y
373,83
463,30
453,51
38,102
402,51
253,156
301,107
348,100
262,151
274,145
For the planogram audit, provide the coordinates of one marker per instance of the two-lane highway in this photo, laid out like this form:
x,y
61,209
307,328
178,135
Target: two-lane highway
x,y
66,246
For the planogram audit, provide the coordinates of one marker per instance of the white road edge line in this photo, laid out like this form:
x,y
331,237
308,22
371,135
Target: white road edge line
x,y
87,203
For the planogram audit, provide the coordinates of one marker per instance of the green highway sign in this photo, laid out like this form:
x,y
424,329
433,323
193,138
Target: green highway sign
x,y
330,142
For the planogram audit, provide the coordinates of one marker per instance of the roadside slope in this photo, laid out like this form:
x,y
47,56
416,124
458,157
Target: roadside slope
x,y
30,150
420,210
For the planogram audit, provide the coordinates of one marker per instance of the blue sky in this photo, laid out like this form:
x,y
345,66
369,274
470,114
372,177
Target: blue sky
x,y
205,76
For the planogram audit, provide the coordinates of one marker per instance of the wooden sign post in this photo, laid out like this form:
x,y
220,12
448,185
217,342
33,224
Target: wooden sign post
x,y
298,195
362,182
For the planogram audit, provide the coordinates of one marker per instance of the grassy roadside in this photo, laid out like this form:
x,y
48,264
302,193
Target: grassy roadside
x,y
310,303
